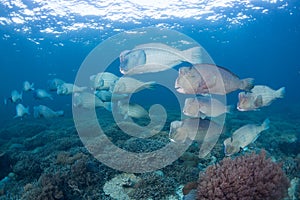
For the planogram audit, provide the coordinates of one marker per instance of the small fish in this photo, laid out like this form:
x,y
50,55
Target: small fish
x,y
106,95
203,131
46,112
209,79
27,86
204,107
156,57
132,110
54,83
69,88
89,101
103,80
42,94
244,136
259,96
128,85
16,96
21,111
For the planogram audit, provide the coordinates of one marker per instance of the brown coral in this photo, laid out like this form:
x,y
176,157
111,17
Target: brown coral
x,y
250,177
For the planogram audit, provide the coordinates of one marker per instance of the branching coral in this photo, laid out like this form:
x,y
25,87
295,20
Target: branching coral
x,y
250,177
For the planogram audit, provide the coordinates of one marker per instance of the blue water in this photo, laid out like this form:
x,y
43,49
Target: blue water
x,y
264,45
265,49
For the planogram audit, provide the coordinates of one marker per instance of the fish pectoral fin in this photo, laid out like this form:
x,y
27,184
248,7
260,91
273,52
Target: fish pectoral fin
x,y
241,149
258,101
202,115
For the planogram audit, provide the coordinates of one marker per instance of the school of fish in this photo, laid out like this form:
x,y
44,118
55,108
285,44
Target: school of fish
x,y
204,80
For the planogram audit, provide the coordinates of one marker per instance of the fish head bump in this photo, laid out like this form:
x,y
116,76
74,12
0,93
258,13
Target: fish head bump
x,y
244,102
131,59
61,89
175,133
229,149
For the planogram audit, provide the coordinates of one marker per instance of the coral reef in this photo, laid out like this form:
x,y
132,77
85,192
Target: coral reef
x,y
139,145
4,164
298,192
49,161
246,177
78,181
153,186
120,186
291,167
293,191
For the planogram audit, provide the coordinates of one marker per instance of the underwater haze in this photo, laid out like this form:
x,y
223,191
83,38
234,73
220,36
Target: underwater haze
x,y
45,157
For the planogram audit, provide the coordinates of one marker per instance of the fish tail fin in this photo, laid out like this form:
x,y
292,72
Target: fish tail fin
x,y
149,85
193,55
280,92
247,84
60,113
266,124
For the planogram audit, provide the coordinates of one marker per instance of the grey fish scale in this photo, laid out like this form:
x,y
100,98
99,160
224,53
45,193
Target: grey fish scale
x,y
250,132
230,81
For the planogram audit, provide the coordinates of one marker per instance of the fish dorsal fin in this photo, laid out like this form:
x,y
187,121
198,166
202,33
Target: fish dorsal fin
x,y
223,68
258,101
227,70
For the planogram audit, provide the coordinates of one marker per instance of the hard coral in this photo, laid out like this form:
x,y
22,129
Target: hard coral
x,y
153,186
249,177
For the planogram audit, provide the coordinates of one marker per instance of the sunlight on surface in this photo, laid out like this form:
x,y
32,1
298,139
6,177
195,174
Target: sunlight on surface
x,y
59,17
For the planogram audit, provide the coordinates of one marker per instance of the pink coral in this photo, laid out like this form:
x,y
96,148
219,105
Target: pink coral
x,y
250,177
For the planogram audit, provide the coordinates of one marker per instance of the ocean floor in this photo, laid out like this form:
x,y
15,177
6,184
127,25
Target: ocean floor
x,y
45,159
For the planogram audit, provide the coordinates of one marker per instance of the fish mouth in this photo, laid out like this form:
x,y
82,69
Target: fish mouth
x,y
180,89
123,71
123,67
240,109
